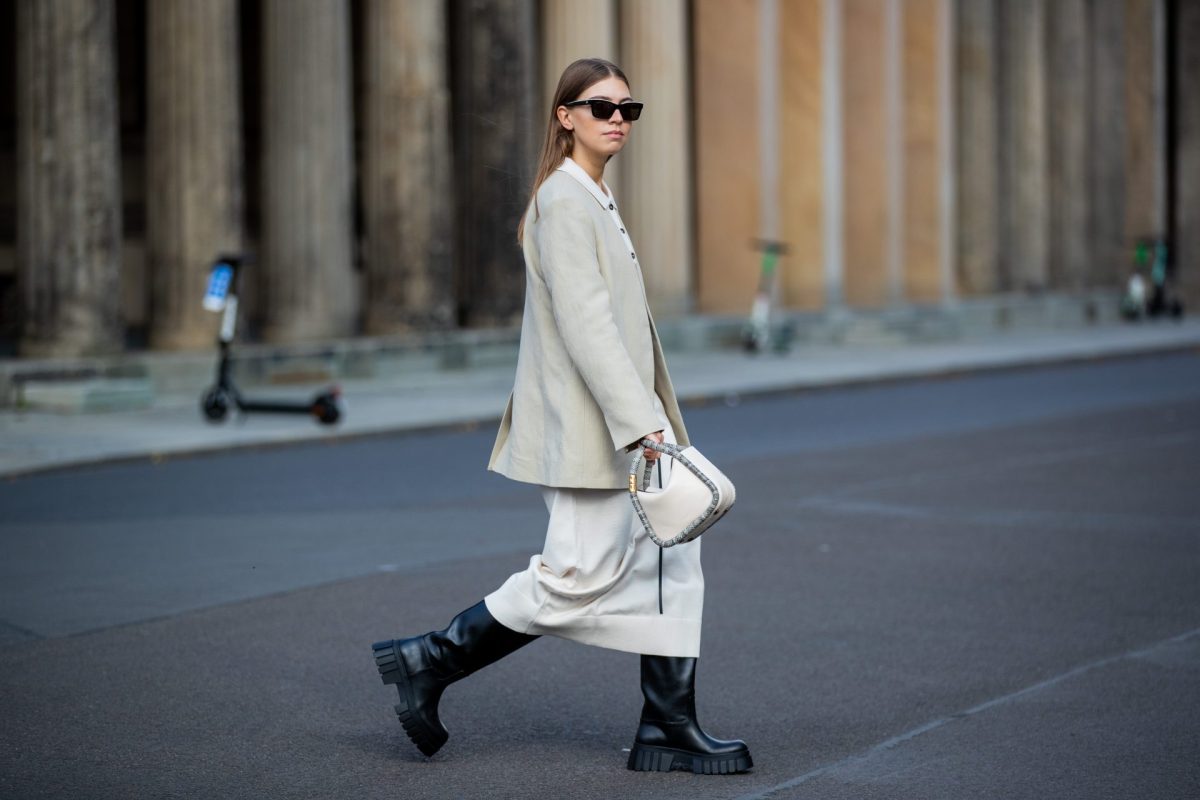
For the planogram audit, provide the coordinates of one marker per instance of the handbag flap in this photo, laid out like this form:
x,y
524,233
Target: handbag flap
x,y
697,494
679,504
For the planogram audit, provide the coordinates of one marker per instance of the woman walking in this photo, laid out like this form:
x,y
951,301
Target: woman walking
x,y
591,383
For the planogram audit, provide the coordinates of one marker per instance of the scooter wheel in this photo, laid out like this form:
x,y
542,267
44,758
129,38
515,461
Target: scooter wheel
x,y
325,409
215,404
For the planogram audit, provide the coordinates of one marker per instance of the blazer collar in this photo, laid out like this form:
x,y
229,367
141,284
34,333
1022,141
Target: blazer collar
x,y
572,168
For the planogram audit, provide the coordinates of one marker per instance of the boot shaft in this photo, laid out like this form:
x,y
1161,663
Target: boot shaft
x,y
669,688
472,640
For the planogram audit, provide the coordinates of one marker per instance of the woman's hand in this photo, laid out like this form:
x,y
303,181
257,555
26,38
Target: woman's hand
x,y
652,455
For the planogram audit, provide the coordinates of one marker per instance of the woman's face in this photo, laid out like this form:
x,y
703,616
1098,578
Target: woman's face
x,y
601,137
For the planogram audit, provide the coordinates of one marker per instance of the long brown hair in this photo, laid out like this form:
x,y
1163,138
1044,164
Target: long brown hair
x,y
559,142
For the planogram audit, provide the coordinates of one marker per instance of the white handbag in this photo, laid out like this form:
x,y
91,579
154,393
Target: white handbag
x,y
694,498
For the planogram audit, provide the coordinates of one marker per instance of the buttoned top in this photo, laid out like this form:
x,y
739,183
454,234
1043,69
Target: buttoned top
x,y
605,198
590,365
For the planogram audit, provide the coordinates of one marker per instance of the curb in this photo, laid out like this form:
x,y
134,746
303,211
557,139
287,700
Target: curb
x,y
686,400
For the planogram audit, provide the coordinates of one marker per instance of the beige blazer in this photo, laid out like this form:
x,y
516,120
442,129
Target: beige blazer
x,y
590,361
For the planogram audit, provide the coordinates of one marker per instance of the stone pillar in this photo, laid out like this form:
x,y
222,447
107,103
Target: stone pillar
x,y
977,148
1024,175
1185,77
574,29
1111,253
1067,54
728,218
69,197
833,171
924,143
409,193
866,165
949,179
895,115
498,132
309,287
656,193
1145,147
194,200
803,47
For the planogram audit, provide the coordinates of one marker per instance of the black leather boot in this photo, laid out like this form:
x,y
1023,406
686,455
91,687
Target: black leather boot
x,y
423,666
669,737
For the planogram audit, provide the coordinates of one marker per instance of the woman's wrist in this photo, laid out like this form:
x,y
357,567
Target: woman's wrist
x,y
650,453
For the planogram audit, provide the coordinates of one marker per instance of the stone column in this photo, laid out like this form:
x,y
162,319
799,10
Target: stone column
x,y
833,167
656,192
977,148
868,222
1024,176
1145,147
803,110
409,189
895,115
947,81
923,70
1185,78
309,287
498,132
1111,253
194,200
69,196
726,36
573,29
1067,48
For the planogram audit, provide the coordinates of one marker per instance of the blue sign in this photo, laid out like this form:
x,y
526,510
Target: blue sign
x,y
218,286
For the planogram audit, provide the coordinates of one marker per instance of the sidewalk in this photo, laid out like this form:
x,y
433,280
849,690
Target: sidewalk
x,y
32,441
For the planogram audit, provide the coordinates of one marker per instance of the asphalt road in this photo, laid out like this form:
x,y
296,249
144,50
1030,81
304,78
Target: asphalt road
x,y
976,587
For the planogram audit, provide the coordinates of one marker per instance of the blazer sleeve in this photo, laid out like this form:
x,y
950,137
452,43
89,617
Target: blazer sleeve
x,y
582,307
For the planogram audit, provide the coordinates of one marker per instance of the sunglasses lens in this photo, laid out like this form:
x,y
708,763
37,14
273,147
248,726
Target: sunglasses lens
x,y
602,109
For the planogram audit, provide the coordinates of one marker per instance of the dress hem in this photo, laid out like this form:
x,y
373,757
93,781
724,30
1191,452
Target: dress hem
x,y
653,635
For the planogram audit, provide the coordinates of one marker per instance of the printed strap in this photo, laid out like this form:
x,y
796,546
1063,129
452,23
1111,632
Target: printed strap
x,y
636,485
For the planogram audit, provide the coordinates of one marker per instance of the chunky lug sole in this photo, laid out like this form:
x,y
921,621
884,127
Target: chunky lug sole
x,y
391,670
645,758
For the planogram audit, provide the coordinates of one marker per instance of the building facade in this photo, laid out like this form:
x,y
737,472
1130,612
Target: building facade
x,y
375,155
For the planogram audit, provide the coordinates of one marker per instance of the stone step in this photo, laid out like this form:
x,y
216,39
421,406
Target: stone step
x,y
408,357
86,395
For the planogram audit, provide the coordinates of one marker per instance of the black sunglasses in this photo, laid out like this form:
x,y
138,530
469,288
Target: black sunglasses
x,y
602,109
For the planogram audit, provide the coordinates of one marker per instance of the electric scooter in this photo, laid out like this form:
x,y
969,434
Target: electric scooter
x,y
222,295
757,334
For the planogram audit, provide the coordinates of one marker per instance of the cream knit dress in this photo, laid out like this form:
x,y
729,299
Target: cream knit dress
x,y
596,580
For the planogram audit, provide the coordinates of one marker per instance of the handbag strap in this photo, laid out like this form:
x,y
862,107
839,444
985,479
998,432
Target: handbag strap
x,y
639,483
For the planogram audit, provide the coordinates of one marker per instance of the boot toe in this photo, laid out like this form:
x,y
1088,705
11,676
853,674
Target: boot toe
x,y
428,738
417,709
662,747
725,747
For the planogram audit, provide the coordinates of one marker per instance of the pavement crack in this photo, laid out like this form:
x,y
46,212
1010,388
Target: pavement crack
x,y
11,633
899,739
